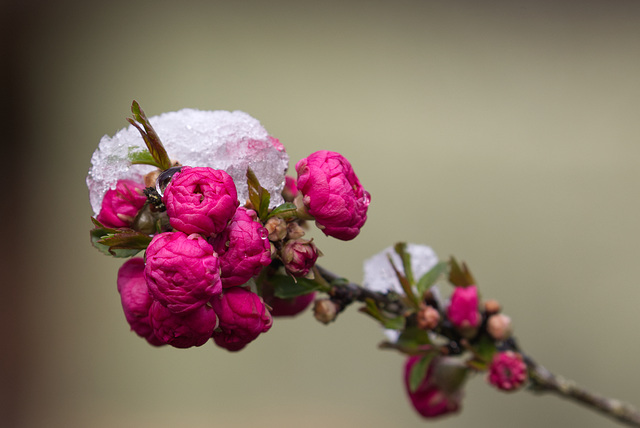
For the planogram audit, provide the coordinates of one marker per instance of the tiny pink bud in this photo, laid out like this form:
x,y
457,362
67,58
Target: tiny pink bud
x,y
121,205
182,272
463,309
499,326
333,194
200,200
290,190
428,317
299,256
183,331
325,310
136,299
491,307
507,371
243,248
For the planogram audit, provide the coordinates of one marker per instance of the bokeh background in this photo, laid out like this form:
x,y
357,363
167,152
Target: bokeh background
x,y
504,132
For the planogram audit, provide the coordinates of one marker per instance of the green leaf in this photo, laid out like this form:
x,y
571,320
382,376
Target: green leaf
x,y
414,338
406,286
284,211
371,309
150,137
118,242
428,279
258,195
286,287
484,348
141,157
401,249
460,276
419,371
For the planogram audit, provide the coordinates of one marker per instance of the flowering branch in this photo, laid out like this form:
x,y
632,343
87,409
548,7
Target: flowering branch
x,y
222,229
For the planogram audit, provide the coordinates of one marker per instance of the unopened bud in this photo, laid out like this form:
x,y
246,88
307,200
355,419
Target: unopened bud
x,y
499,326
294,230
290,190
325,310
299,256
150,179
507,371
277,229
428,317
492,307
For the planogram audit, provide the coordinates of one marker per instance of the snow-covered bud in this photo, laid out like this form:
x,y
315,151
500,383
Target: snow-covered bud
x,y
507,371
121,205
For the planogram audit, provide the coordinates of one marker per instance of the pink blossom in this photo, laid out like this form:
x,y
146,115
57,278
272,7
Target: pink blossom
x,y
243,248
121,205
182,271
200,200
463,309
440,392
507,371
299,256
333,194
183,331
136,299
243,316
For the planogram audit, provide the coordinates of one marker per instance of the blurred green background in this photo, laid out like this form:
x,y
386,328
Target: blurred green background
x,y
504,132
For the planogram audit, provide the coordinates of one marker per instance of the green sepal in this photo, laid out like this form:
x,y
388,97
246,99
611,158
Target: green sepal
x,y
286,287
460,276
419,371
371,309
141,157
258,195
150,137
427,280
284,211
121,242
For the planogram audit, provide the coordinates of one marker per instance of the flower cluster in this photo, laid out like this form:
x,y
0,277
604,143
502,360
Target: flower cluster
x,y
216,266
446,339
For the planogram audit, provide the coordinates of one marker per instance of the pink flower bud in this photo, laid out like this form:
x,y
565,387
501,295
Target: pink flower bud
x,y
243,316
463,309
299,256
243,248
200,200
290,190
507,371
440,392
499,326
182,272
428,317
136,299
325,310
183,331
121,205
333,194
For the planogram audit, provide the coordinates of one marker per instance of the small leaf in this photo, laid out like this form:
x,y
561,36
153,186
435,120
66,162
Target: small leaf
x,y
118,242
483,350
419,371
150,137
285,287
284,211
460,276
428,279
414,338
401,249
371,309
258,195
141,157
406,286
